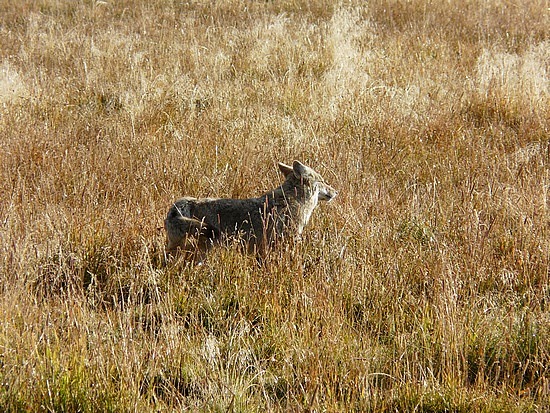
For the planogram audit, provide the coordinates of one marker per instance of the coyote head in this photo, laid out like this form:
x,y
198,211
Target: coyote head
x,y
310,182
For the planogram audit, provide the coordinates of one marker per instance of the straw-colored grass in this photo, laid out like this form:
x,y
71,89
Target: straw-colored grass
x,y
423,287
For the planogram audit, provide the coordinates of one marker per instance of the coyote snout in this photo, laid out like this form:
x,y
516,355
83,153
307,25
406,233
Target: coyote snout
x,y
283,212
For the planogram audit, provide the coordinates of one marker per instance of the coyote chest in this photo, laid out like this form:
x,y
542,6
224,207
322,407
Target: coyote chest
x,y
200,223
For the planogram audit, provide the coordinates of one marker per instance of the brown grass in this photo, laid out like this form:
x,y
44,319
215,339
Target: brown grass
x,y
423,287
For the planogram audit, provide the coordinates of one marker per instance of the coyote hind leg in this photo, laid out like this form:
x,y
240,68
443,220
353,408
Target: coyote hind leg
x,y
191,236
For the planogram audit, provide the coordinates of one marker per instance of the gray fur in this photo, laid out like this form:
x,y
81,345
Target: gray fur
x,y
200,223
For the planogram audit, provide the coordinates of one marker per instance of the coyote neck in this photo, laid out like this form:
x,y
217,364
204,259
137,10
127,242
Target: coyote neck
x,y
293,204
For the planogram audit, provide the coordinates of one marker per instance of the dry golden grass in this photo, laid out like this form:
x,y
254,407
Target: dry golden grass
x,y
423,287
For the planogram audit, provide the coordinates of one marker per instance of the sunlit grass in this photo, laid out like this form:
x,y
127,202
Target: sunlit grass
x,y
423,286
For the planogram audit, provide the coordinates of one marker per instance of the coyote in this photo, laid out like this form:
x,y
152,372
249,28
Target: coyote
x,y
198,224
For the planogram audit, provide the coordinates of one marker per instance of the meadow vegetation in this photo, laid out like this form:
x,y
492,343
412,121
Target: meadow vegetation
x,y
423,287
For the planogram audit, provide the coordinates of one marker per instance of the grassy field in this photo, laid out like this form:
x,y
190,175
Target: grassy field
x,y
423,287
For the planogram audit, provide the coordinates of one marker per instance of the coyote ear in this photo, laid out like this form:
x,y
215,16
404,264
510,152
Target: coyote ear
x,y
285,169
300,170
